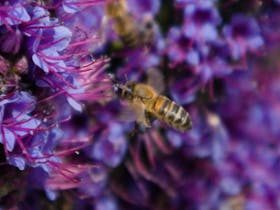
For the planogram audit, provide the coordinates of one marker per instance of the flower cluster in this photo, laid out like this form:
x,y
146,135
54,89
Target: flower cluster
x,y
67,141
47,75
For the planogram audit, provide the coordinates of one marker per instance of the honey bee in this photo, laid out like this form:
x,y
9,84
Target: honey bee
x,y
131,32
149,105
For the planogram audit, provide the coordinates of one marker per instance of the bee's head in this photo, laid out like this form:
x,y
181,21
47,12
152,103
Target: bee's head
x,y
125,91
130,86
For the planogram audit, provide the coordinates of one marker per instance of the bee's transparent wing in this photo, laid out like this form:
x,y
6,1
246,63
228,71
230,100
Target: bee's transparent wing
x,y
155,79
134,113
131,112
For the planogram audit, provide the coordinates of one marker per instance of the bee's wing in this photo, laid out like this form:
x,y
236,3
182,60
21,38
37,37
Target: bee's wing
x,y
155,79
132,112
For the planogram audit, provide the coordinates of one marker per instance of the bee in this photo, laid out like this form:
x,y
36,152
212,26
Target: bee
x,y
150,105
132,33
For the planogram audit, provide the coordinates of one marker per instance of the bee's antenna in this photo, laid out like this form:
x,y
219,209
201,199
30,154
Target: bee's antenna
x,y
116,84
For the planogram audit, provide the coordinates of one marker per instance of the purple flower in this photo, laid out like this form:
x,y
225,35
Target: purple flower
x,y
85,21
111,149
17,123
180,48
106,202
72,6
51,40
243,35
11,41
200,21
203,55
13,13
138,9
43,83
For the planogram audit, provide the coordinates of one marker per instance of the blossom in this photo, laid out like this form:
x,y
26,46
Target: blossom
x,y
43,81
111,149
200,21
199,47
16,122
243,35
137,8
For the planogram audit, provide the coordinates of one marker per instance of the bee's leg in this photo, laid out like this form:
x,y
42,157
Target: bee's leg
x,y
149,118
146,123
138,128
146,120
141,127
133,132
143,123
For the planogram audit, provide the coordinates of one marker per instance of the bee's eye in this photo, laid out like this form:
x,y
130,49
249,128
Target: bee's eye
x,y
128,95
130,86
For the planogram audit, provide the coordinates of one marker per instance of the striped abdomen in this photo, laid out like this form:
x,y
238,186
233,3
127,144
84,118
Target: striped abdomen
x,y
171,113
